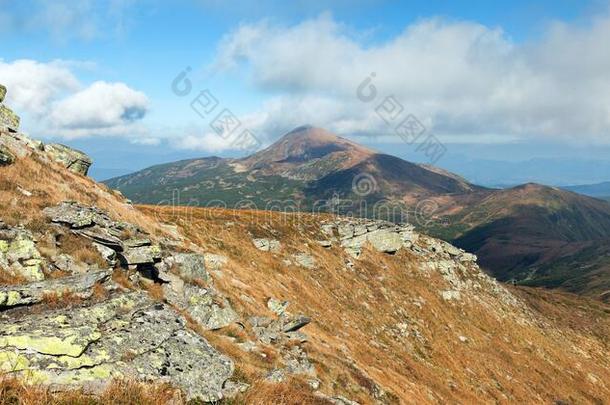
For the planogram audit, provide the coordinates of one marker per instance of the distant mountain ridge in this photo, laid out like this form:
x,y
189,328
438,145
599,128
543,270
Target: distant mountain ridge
x,y
526,233
601,190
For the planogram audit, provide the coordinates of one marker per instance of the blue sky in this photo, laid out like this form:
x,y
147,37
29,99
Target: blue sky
x,y
98,74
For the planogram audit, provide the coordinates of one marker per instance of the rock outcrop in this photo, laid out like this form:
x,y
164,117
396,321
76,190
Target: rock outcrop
x,y
14,144
74,160
19,255
129,336
6,156
8,119
34,293
116,333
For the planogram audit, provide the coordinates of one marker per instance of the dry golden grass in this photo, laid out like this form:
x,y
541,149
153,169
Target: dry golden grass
x,y
121,277
542,351
50,184
155,290
292,392
61,299
15,392
512,354
81,250
8,278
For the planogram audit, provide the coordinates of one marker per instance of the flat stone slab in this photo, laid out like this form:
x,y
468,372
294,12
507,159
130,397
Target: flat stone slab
x,y
34,293
74,160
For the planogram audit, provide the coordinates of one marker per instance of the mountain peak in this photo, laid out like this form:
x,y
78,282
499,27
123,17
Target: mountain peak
x,y
305,143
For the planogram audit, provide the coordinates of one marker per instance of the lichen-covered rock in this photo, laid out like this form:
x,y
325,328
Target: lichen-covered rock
x,y
74,160
18,144
385,241
271,331
305,260
6,156
73,215
215,262
127,336
108,254
205,306
141,255
8,119
190,266
81,285
19,255
276,306
267,245
103,236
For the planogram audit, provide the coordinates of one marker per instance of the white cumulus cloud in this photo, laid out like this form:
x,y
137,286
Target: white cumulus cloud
x,y
101,108
459,78
53,102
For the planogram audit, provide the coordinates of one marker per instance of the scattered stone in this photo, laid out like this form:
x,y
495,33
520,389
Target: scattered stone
x,y
339,400
276,306
74,215
297,362
231,389
74,160
67,264
305,260
328,229
108,254
325,243
247,346
314,383
451,295
136,243
463,339
467,257
385,241
103,236
293,324
276,376
19,255
267,245
215,262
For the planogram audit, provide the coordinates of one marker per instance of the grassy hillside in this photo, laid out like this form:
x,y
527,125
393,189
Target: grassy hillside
x,y
421,324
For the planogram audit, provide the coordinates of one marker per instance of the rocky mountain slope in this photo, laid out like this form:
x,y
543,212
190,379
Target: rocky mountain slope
x,y
534,235
531,234
263,307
